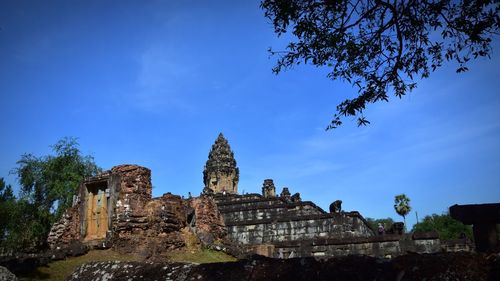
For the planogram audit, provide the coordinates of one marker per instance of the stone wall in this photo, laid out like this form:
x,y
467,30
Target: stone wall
x,y
66,230
297,228
134,190
277,227
262,223
136,222
233,203
376,246
269,212
206,219
153,230
458,245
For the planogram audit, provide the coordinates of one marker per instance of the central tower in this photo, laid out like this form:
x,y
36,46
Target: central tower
x,y
220,173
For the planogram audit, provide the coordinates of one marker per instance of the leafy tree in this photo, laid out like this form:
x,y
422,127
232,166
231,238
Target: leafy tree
x,y
6,193
387,223
445,225
51,181
402,205
381,46
48,184
7,205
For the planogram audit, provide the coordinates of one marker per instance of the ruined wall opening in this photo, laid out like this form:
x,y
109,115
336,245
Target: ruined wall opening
x,y
96,210
191,218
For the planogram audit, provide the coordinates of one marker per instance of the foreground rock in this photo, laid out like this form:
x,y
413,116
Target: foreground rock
x,y
23,262
457,266
6,275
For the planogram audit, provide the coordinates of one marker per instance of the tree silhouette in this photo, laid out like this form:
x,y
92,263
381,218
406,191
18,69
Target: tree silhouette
x,y
402,206
381,46
445,225
47,186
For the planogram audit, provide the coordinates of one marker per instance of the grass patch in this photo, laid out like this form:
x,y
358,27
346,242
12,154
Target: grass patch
x,y
59,270
193,252
200,256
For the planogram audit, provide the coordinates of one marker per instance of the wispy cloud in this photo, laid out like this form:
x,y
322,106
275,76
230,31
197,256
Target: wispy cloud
x,y
309,156
162,80
327,142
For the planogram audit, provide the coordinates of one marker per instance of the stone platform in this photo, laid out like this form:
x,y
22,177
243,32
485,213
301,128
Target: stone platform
x,y
277,227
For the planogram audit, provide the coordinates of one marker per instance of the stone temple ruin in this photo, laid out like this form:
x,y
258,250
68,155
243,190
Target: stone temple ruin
x,y
116,209
220,174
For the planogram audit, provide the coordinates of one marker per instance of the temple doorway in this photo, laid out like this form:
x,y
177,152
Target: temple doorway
x,y
97,212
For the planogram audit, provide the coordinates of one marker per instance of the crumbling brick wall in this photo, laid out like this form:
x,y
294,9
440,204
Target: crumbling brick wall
x,y
207,221
138,223
66,230
152,230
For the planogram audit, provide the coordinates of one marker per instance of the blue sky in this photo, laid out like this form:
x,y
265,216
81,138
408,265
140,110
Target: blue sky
x,y
154,82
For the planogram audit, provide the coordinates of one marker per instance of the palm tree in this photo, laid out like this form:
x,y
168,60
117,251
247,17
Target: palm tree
x,y
402,206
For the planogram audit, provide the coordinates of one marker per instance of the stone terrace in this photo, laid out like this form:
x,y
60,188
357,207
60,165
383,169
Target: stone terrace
x,y
275,222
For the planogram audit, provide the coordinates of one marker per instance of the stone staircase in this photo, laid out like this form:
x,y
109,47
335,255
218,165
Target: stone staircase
x,y
254,220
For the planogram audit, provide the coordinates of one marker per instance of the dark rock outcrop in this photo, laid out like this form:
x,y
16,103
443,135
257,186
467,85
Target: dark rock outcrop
x,y
6,275
24,262
72,249
457,266
484,218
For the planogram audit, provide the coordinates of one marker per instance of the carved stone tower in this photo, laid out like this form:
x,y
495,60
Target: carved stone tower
x,y
220,173
268,188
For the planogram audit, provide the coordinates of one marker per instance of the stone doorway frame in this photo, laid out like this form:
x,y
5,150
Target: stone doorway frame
x,y
109,183
96,211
